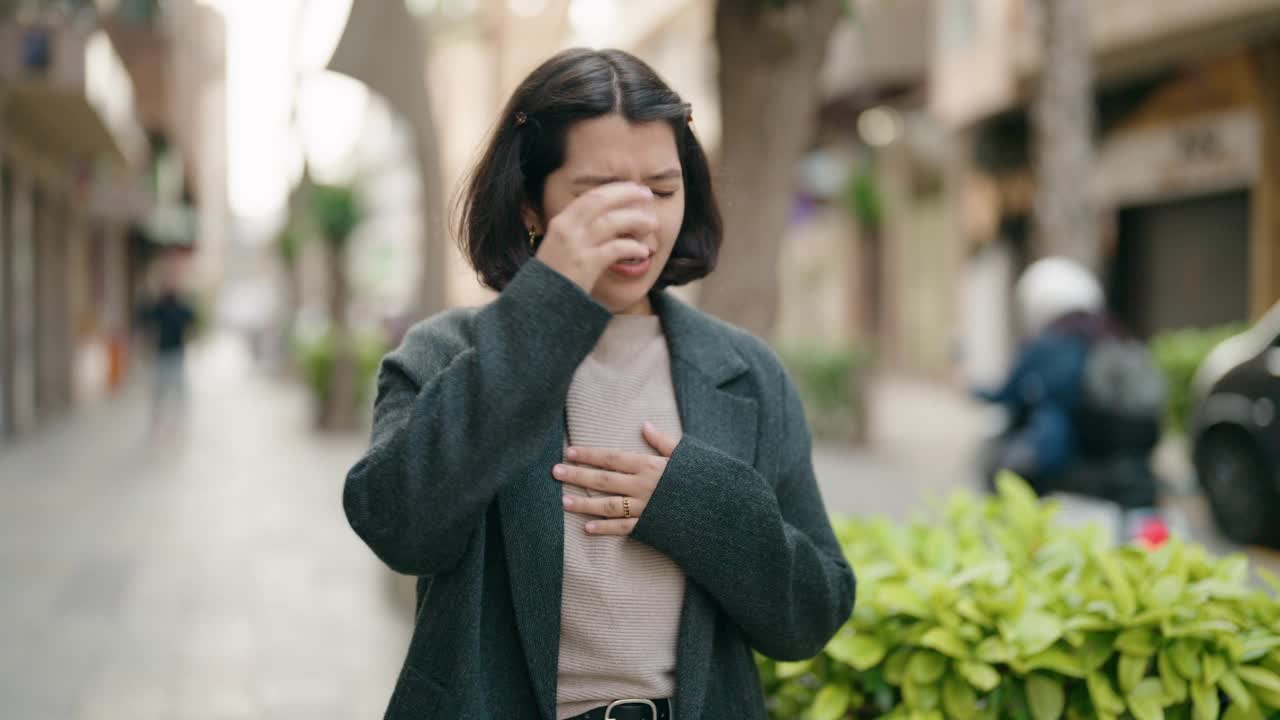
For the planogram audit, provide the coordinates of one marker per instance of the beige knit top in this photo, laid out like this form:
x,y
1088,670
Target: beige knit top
x,y
620,612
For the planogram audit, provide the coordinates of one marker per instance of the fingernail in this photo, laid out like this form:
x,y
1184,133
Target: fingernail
x,y
648,426
591,527
559,471
568,501
571,453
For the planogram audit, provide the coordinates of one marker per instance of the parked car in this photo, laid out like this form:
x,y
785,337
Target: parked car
x,y
1235,433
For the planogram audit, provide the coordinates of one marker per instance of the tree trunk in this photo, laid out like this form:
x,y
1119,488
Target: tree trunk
x,y
338,407
431,296
770,58
1066,217
287,321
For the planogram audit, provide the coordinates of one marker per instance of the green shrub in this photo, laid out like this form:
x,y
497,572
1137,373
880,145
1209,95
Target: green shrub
x,y
992,611
832,385
336,210
315,359
1179,354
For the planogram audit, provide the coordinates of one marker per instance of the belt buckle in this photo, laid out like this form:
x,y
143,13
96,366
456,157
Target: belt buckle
x,y
652,708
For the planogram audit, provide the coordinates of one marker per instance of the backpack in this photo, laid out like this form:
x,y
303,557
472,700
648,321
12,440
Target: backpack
x,y
1124,397
1121,378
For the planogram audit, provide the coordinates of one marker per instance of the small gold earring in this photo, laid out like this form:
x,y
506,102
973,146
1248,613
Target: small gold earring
x,y
533,239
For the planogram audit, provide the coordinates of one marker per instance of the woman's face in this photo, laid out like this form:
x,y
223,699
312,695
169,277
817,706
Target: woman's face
x,y
607,149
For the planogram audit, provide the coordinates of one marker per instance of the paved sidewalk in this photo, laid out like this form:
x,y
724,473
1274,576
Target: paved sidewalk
x,y
217,580
923,437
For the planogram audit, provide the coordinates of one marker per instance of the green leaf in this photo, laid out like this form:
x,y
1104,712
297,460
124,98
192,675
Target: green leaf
x,y
994,650
958,698
1096,651
921,697
1205,629
1153,615
1259,677
900,599
895,668
830,704
1214,666
1146,700
1057,660
1204,699
979,674
1034,631
1175,686
1019,499
1233,646
1122,591
1233,569
857,650
1268,698
1140,642
1219,589
969,610
946,642
788,670
1165,591
1105,608
1270,579
970,633
995,572
1239,712
1272,661
1183,655
1104,695
1255,647
1231,685
1087,622
926,667
1131,671
1046,696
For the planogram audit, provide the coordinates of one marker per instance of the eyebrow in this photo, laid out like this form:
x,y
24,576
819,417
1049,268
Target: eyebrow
x,y
670,174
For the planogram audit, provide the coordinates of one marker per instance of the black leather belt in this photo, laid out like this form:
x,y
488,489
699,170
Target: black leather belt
x,y
629,710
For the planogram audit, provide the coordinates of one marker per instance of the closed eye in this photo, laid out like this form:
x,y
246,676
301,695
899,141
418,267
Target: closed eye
x,y
669,193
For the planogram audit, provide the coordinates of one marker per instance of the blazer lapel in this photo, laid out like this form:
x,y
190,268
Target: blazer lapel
x,y
533,530
702,364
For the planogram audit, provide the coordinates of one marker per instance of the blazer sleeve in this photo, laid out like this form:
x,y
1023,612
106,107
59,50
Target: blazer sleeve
x,y
449,428
764,550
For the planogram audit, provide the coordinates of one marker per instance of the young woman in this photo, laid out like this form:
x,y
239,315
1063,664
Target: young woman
x,y
607,495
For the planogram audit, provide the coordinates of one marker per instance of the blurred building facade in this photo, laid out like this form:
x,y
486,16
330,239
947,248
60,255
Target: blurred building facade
x,y
1186,170
92,187
176,57
69,146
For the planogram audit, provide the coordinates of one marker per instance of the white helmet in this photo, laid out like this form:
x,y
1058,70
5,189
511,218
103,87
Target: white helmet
x,y
1054,287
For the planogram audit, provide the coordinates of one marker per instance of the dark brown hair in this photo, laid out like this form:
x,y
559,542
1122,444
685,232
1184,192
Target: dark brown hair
x,y
528,144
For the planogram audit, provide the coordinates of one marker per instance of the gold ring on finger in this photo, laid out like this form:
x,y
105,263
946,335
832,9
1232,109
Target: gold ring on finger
x,y
626,508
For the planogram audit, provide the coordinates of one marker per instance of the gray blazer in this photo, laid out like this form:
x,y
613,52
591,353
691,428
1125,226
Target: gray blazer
x,y
456,489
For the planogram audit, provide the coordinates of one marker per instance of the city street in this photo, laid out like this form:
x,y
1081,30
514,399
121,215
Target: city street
x,y
217,579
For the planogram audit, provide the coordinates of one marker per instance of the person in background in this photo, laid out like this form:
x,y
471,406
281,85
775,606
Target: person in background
x,y
166,321
1083,397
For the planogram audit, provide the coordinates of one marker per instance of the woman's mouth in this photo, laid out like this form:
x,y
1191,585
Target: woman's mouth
x,y
632,267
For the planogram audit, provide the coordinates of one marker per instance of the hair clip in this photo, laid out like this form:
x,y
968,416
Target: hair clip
x,y
521,118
